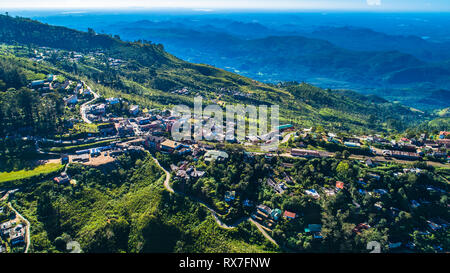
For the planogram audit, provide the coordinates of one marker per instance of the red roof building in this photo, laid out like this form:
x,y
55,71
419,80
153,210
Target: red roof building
x,y
290,215
340,185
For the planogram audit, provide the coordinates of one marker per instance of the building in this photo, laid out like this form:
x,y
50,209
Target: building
x,y
285,127
230,196
73,99
313,193
64,159
37,84
340,185
214,155
107,129
134,110
153,142
81,157
62,179
95,152
305,153
402,155
170,145
112,101
289,215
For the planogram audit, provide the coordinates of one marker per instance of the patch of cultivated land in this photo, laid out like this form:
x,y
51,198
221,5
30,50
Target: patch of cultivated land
x,y
42,169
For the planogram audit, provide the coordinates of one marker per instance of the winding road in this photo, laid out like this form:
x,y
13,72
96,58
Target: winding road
x,y
84,106
213,212
27,232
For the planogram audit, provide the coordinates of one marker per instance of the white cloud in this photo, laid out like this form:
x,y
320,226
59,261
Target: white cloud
x,y
374,2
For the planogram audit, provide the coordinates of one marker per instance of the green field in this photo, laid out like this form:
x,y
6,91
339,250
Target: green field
x,y
42,169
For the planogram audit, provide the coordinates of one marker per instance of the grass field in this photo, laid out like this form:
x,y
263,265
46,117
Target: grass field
x,y
42,169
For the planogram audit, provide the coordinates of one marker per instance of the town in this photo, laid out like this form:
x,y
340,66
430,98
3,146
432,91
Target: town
x,y
98,130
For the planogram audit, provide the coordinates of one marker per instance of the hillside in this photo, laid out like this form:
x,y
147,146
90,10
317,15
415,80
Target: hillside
x,y
348,58
151,74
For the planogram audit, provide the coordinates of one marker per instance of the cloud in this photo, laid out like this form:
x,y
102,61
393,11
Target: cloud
x,y
374,2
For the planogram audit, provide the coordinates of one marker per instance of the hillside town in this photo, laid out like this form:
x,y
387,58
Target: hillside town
x,y
102,129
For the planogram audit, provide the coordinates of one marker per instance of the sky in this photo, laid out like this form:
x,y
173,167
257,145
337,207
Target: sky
x,y
207,5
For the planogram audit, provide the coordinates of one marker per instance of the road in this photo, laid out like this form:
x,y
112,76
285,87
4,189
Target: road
x,y
213,212
84,106
264,233
27,226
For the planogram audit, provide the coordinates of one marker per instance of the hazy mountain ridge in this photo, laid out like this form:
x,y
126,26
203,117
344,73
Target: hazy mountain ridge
x,y
148,81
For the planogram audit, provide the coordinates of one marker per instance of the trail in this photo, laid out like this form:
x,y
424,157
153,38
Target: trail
x,y
213,212
27,226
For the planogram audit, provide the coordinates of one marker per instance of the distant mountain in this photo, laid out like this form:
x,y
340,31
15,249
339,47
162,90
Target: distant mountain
x,y
299,58
284,58
438,97
364,39
150,74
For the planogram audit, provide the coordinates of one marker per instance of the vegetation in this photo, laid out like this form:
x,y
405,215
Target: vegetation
x,y
23,174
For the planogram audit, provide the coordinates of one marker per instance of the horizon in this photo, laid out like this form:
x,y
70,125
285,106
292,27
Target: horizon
x,y
234,5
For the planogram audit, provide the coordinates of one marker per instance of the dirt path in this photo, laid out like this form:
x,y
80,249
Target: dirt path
x,y
18,215
264,233
213,212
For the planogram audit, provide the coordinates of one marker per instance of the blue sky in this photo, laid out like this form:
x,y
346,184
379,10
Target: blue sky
x,y
376,5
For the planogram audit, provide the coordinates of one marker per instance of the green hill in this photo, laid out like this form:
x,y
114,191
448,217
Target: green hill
x,y
150,74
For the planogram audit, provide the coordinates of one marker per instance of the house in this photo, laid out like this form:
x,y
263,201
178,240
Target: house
x,y
369,163
134,110
37,84
443,134
107,129
305,153
95,152
80,158
112,101
184,150
153,142
360,227
279,188
402,155
329,192
230,196
214,155
124,128
264,209
285,127
275,214
352,144
73,99
313,193
415,204
64,159
373,175
340,185
98,109
62,179
289,215
361,182
170,145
